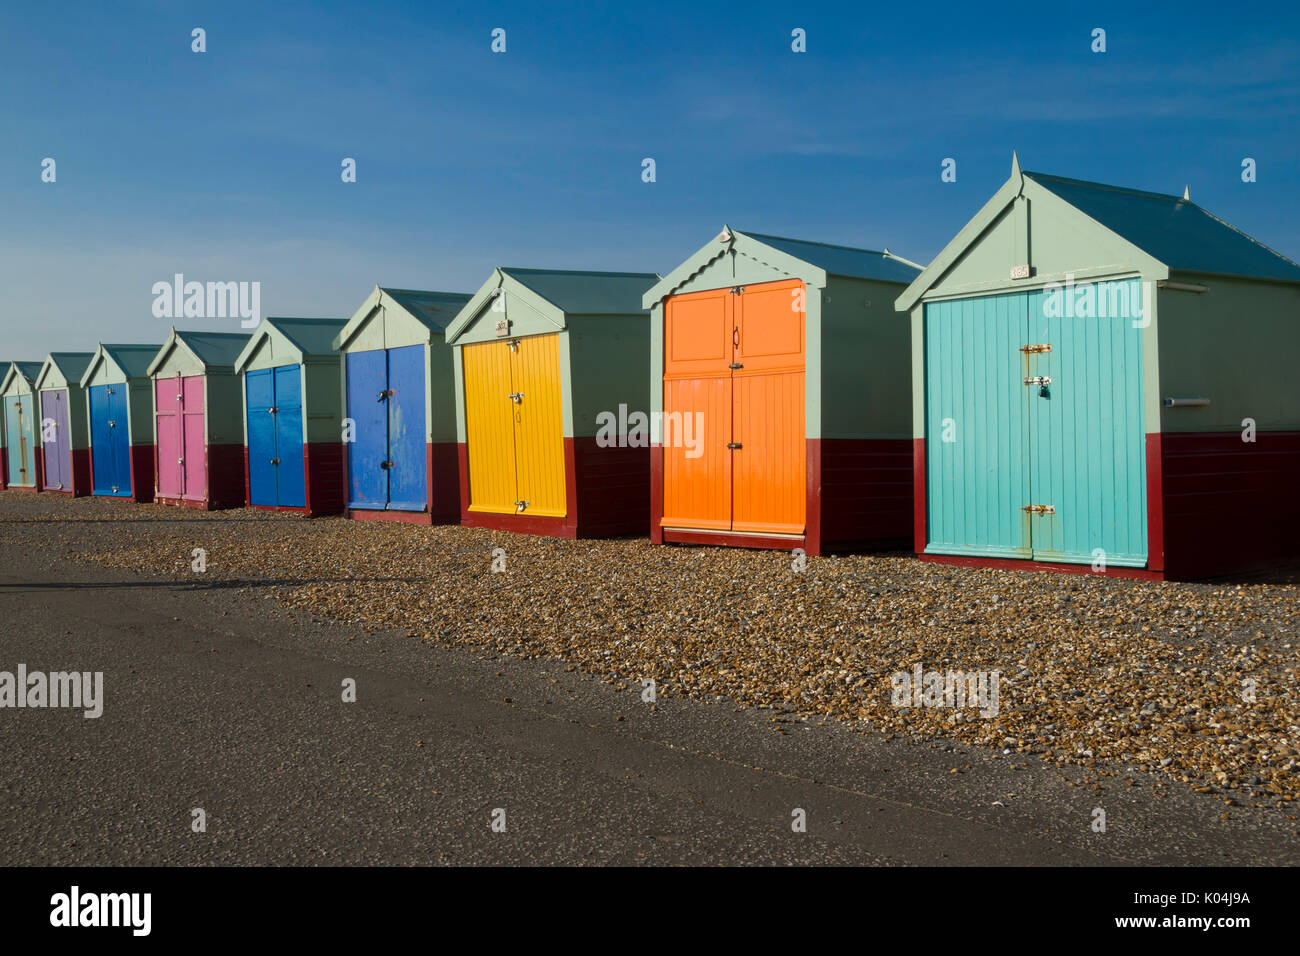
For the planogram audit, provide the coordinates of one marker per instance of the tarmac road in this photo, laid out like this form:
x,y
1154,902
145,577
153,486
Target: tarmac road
x,y
215,698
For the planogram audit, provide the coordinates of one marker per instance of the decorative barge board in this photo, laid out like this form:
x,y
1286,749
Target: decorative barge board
x,y
779,380
293,439
198,430
398,397
550,369
1081,395
119,408
22,429
63,430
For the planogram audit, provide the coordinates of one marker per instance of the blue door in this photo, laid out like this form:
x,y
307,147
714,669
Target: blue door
x,y
290,468
110,441
259,394
275,464
367,382
407,471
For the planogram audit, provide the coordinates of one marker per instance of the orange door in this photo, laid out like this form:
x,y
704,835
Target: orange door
x,y
734,360
768,464
698,335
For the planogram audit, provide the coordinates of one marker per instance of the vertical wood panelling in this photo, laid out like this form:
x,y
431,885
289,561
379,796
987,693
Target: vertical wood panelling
x,y
489,425
539,424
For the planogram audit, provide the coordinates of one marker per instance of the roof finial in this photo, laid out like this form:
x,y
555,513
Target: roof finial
x,y
725,235
1187,193
1015,164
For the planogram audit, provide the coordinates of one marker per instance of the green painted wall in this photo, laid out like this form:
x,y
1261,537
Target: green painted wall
x,y
179,361
323,417
611,354
525,318
225,408
866,371
1235,344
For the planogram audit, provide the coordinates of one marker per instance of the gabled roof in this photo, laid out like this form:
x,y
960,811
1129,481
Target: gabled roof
x,y
216,350
434,310
132,360
71,365
1163,231
800,258
586,293
553,294
1174,230
308,336
28,370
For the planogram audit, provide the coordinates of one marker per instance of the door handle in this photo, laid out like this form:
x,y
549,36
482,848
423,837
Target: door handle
x,y
735,337
515,397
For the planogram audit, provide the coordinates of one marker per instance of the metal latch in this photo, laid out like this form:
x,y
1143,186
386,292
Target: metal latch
x,y
386,464
736,365
1036,348
1040,509
520,505
115,489
1039,380
515,397
273,409
180,461
734,444
738,290
111,423
275,461
386,393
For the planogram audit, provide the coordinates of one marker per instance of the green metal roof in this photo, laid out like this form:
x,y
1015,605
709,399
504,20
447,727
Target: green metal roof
x,y
842,260
28,370
72,365
133,360
215,348
1172,229
434,309
587,293
312,336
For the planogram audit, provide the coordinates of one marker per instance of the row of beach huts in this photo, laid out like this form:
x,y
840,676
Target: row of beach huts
x,y
1093,378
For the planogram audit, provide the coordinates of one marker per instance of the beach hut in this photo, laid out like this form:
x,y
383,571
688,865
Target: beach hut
x,y
1103,382
64,434
119,408
550,372
399,432
198,427
4,451
780,382
293,445
22,430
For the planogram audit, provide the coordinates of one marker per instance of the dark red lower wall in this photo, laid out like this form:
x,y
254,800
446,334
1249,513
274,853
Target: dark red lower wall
x,y
1229,506
142,472
326,480
4,468
865,492
226,487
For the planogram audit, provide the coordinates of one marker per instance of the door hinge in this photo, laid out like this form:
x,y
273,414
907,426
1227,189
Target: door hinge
x,y
734,444
1040,509
520,505
1036,348
1038,380
515,397
735,365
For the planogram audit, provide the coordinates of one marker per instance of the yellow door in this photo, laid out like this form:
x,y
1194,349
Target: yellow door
x,y
489,427
538,424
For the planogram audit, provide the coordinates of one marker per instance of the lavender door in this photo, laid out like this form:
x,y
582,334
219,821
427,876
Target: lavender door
x,y
55,440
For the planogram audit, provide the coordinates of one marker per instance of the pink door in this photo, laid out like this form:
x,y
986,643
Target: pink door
x,y
196,439
171,437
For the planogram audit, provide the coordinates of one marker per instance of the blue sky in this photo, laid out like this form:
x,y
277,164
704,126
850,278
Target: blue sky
x,y
225,165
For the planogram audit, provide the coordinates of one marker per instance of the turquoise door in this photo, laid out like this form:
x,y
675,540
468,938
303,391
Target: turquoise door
x,y
1035,443
1086,427
977,427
